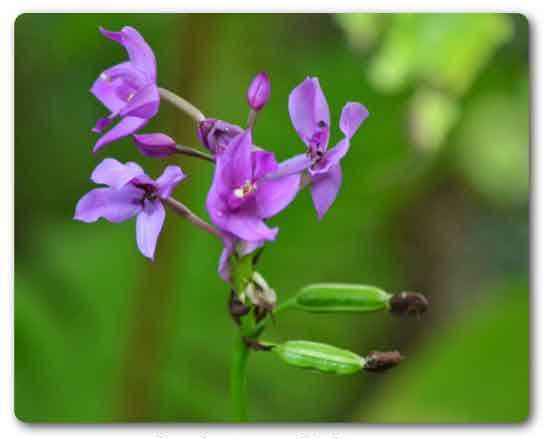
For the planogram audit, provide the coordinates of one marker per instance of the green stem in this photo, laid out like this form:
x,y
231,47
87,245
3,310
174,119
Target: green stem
x,y
238,379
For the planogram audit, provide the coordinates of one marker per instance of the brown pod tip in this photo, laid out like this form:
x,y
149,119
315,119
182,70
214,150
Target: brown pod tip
x,y
408,303
380,361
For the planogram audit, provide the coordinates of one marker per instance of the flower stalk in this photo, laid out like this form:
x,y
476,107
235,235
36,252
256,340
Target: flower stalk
x,y
238,378
184,105
186,150
182,210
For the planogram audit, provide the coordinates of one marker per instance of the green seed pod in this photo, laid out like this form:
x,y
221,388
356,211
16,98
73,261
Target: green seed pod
x,y
336,297
319,357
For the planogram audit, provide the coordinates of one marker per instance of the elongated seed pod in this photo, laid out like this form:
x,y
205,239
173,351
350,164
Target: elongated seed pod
x,y
337,297
320,357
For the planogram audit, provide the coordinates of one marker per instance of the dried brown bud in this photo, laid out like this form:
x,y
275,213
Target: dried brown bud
x,y
379,361
255,345
236,307
408,303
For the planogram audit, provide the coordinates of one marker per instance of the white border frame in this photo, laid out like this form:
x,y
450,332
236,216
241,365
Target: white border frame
x,y
11,427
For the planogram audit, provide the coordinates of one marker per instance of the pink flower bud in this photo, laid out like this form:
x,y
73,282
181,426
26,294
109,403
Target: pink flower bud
x,y
259,91
155,145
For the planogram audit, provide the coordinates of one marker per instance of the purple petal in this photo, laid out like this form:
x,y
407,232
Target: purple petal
x,y
264,163
236,167
247,225
324,189
309,113
166,182
144,103
102,123
105,90
224,260
139,52
127,126
111,204
114,173
331,157
274,195
148,226
246,247
296,164
352,116
155,145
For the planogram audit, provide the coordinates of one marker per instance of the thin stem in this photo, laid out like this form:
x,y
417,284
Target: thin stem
x,y
182,104
185,150
238,379
284,305
251,120
184,211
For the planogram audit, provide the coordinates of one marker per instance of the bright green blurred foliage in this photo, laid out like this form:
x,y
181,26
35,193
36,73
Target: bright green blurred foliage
x,y
435,200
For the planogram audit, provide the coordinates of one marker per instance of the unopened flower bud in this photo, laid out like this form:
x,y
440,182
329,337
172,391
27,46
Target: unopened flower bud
x,y
155,145
379,361
215,134
259,91
320,357
408,303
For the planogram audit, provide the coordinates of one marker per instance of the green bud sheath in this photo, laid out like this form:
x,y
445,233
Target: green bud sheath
x,y
320,357
336,297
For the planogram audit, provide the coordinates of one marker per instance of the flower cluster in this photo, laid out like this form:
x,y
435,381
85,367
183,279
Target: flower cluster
x,y
249,185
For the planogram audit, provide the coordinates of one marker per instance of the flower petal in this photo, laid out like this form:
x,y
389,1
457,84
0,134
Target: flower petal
x,y
296,164
229,243
324,189
144,103
114,173
139,52
331,157
246,225
274,195
166,182
111,204
309,113
148,226
105,90
127,126
352,116
236,167
264,163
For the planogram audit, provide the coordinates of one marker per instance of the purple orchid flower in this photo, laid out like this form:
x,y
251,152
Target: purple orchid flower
x,y
130,193
215,134
129,89
242,197
310,117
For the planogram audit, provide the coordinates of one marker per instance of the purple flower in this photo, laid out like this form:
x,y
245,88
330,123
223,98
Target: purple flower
x,y
215,134
310,117
130,193
128,89
259,91
155,145
241,195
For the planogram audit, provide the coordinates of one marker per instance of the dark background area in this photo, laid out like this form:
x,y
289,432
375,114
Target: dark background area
x,y
434,199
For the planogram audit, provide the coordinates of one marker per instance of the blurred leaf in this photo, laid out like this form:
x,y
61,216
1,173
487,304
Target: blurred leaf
x,y
494,145
447,50
362,29
432,115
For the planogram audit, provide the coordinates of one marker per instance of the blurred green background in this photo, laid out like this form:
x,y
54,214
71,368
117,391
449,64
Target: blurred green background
x,y
435,200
